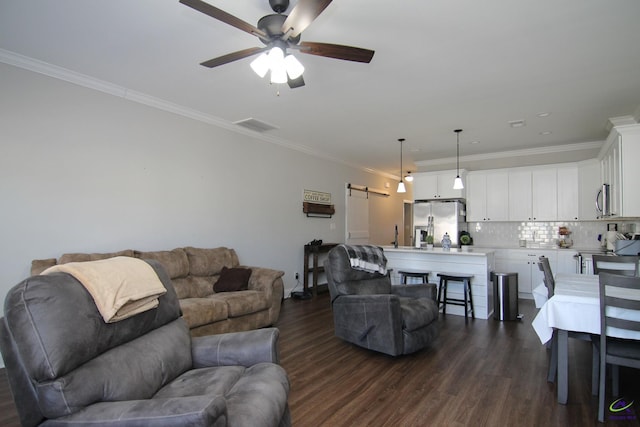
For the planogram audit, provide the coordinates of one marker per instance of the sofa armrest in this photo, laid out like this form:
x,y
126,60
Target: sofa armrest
x,y
423,290
175,411
262,279
236,348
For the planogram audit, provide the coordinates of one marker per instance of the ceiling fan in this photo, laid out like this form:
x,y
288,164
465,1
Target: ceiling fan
x,y
280,32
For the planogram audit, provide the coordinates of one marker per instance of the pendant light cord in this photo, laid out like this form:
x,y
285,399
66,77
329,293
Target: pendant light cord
x,y
457,131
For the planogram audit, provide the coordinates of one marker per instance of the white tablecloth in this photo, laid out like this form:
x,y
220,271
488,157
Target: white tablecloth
x,y
575,306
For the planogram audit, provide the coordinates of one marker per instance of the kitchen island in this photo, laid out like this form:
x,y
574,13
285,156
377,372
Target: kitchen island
x,y
479,262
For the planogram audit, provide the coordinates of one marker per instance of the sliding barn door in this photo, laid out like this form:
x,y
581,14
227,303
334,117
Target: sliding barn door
x,y
357,218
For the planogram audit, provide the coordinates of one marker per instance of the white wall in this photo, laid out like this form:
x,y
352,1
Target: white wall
x,y
84,171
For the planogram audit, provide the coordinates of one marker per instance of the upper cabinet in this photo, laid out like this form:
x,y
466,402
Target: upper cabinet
x,y
533,194
569,193
487,196
542,193
437,185
588,184
619,169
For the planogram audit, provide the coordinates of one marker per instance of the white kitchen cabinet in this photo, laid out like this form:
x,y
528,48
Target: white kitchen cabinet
x,y
519,195
544,204
619,167
589,183
525,263
567,262
488,196
437,185
533,194
568,194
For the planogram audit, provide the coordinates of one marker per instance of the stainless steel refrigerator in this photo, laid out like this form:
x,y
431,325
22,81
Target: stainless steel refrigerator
x,y
438,217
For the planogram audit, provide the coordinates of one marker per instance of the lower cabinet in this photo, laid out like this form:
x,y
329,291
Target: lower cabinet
x,y
525,263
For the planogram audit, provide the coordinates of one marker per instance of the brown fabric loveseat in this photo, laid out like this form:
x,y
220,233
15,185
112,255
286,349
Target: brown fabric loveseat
x,y
193,272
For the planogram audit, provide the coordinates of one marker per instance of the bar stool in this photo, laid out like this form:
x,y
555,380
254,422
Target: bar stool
x,y
424,275
445,278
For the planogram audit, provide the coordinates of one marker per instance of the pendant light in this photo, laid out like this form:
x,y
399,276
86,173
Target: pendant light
x,y
408,177
401,188
457,183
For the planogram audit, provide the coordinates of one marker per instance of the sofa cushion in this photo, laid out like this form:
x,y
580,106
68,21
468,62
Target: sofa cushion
x,y
194,286
175,262
209,262
242,302
40,265
202,311
256,395
79,257
233,279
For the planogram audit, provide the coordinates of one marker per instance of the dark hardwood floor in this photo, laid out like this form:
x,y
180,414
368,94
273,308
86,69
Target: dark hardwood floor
x,y
484,373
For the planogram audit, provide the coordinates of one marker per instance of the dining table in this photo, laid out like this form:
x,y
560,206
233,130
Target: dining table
x,y
574,307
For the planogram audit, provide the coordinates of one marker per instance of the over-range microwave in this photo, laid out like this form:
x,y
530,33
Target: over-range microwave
x,y
603,201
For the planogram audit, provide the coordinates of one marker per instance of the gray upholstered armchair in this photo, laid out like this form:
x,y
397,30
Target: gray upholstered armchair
x,y
66,366
368,311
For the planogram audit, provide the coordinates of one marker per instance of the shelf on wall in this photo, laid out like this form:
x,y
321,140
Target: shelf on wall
x,y
318,210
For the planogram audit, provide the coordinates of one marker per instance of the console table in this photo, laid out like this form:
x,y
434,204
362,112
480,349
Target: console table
x,y
313,251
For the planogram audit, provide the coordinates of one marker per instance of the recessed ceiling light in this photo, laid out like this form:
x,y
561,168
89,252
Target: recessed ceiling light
x,y
546,132
474,142
543,114
517,123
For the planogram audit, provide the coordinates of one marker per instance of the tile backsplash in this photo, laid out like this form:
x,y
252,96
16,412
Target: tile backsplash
x,y
545,234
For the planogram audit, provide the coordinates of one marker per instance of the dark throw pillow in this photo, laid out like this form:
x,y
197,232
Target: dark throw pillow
x,y
233,279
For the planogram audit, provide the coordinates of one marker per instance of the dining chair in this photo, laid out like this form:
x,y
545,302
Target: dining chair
x,y
617,292
626,265
550,284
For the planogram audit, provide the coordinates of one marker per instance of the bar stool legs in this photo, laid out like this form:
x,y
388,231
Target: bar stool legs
x,y
423,275
466,301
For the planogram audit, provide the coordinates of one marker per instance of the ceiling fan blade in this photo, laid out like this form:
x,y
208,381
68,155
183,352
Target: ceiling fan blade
x,y
223,16
303,14
294,83
234,56
337,51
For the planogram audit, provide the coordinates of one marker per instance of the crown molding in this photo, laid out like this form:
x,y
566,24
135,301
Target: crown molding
x,y
64,74
515,153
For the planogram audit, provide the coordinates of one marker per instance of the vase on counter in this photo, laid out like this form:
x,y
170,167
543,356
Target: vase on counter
x,y
446,242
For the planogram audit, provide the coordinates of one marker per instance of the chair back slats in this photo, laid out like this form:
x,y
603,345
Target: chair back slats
x,y
618,292
629,325
623,265
549,281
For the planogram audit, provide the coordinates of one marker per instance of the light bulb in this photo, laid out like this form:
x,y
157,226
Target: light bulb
x,y
457,183
293,66
261,64
277,65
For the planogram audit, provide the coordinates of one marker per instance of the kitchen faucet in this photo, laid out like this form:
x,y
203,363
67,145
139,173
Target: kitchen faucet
x,y
395,239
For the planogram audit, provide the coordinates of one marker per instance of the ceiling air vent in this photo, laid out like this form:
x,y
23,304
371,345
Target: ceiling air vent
x,y
255,125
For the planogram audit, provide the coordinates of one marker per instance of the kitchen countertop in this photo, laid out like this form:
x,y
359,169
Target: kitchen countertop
x,y
473,251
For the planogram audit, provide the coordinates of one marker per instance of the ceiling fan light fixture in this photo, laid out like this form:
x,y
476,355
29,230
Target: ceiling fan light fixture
x,y
293,66
278,75
260,65
276,58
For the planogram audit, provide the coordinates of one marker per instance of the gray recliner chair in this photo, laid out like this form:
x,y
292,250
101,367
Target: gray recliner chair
x,y
369,312
66,366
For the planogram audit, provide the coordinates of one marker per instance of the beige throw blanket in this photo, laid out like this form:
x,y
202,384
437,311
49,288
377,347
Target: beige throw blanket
x,y
121,287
